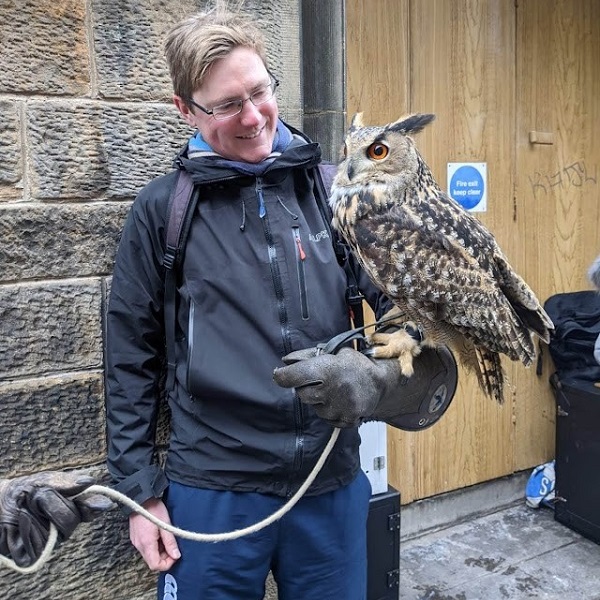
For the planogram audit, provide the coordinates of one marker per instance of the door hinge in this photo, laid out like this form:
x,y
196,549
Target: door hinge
x,y
379,463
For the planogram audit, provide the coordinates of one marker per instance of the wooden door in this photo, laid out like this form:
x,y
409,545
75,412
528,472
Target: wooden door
x,y
557,209
485,69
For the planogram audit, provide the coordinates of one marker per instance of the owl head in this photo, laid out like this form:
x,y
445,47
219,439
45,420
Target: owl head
x,y
380,154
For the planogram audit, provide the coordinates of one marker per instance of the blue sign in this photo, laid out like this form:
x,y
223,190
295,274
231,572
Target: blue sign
x,y
467,185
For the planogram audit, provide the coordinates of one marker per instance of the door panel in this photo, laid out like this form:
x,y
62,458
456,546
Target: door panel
x,y
492,73
557,209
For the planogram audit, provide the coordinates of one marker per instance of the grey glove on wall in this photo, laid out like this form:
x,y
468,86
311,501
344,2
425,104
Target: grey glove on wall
x,y
29,504
349,388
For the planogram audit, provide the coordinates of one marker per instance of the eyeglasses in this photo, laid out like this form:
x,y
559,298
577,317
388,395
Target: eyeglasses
x,y
234,107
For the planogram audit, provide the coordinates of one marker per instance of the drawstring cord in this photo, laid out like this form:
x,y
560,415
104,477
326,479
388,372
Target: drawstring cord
x,y
292,214
243,223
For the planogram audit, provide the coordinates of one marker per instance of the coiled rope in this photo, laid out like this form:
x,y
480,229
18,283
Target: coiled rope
x,y
182,533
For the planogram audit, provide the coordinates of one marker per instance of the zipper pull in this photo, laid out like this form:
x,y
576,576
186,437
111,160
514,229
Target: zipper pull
x,y
262,211
301,252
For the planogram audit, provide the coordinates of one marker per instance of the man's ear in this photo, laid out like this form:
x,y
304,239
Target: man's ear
x,y
184,110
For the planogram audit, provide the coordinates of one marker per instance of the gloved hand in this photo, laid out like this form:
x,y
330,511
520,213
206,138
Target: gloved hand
x,y
344,388
348,388
29,504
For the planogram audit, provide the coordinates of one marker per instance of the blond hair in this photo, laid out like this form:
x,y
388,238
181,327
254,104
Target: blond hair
x,y
196,43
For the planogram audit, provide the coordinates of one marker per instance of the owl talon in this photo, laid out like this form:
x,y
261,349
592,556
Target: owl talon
x,y
399,344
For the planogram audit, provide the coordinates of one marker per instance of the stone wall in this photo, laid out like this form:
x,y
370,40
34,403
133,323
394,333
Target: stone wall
x,y
85,121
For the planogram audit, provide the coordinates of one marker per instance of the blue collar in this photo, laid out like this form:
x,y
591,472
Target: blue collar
x,y
197,147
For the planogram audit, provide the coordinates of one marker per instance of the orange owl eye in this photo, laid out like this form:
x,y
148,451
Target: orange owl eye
x,y
377,151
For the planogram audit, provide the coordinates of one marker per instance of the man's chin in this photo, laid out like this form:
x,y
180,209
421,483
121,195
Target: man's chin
x,y
255,156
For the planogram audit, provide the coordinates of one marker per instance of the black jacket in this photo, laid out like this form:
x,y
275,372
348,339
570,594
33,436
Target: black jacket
x,y
258,280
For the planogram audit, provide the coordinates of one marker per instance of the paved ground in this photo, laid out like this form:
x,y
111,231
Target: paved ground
x,y
510,553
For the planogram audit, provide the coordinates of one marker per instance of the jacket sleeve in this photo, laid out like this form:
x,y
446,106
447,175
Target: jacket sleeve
x,y
135,348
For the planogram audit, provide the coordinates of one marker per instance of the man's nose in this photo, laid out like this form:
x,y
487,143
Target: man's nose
x,y
250,113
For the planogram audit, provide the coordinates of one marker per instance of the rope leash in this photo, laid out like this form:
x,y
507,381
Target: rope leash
x,y
182,533
331,347
44,556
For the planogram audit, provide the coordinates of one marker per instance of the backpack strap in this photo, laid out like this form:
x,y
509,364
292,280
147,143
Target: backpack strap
x,y
182,202
324,175
177,211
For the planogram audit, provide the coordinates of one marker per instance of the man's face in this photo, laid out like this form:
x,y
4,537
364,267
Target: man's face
x,y
248,136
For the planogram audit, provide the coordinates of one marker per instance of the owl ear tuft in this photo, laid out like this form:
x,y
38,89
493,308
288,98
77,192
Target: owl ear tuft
x,y
411,123
357,121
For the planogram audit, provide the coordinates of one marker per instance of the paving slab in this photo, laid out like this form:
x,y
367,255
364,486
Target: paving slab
x,y
511,554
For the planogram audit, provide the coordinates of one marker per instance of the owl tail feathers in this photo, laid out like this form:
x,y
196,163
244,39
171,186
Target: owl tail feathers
x,y
487,367
490,374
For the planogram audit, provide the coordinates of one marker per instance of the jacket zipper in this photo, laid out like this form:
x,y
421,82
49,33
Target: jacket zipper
x,y
300,258
283,320
262,211
190,342
275,273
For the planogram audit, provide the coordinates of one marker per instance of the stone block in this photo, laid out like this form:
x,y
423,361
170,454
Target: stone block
x,y
129,37
11,168
292,117
49,327
59,240
44,48
281,24
97,561
96,150
149,595
51,423
271,588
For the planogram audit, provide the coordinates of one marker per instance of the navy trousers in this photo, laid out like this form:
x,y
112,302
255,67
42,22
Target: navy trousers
x,y
317,551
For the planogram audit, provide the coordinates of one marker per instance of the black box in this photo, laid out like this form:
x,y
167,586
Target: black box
x,y
383,546
578,456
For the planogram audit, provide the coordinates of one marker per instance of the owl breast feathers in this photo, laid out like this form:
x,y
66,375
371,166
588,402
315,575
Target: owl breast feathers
x,y
440,266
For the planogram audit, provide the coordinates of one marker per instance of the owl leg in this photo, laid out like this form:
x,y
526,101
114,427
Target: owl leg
x,y
400,344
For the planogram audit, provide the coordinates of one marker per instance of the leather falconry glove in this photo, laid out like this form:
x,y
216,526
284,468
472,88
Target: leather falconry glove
x,y
29,504
348,388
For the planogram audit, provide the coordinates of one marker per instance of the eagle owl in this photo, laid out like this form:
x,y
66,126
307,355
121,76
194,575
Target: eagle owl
x,y
439,265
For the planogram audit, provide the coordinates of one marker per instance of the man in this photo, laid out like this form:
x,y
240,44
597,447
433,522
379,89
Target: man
x,y
259,280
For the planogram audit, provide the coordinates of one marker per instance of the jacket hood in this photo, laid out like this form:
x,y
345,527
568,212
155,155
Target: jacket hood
x,y
208,169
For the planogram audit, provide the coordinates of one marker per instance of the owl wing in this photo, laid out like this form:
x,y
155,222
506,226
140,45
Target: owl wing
x,y
458,224
439,264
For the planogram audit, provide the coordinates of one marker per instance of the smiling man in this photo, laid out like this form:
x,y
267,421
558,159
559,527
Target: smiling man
x,y
259,280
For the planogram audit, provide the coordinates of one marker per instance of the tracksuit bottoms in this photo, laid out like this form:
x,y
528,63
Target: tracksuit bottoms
x,y
317,551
